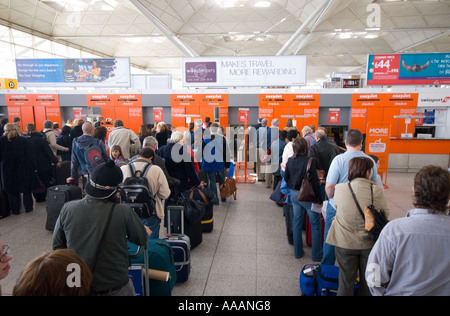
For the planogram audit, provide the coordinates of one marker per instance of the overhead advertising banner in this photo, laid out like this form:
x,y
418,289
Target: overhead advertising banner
x,y
409,69
86,72
244,71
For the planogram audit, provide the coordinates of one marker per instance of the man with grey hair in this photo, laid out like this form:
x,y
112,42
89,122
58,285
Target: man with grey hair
x,y
51,137
152,142
261,147
324,152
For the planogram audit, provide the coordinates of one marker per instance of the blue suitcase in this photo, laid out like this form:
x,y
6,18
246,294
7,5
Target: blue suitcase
x,y
320,280
181,245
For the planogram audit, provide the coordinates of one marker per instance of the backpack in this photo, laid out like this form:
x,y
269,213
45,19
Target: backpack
x,y
93,157
136,193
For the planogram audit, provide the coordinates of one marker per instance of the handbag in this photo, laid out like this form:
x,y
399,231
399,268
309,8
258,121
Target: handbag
x,y
277,196
267,156
228,188
193,209
306,192
38,186
374,220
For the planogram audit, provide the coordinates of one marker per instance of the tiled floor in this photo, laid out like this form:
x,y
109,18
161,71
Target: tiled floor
x,y
247,254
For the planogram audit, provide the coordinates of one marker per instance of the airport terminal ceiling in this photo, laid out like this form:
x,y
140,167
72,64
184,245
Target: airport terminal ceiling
x,y
335,35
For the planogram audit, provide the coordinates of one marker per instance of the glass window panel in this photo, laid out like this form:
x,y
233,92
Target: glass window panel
x,y
8,68
24,52
44,55
59,49
21,38
43,45
4,34
5,50
73,52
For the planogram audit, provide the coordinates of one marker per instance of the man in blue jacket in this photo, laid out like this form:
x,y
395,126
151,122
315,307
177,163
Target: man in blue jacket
x,y
80,163
216,159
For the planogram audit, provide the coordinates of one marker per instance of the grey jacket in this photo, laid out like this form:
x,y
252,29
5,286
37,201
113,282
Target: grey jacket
x,y
80,227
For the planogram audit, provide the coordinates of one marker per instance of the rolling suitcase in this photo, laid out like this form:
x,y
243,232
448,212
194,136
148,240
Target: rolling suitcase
x,y
138,271
55,199
190,223
160,257
308,229
181,245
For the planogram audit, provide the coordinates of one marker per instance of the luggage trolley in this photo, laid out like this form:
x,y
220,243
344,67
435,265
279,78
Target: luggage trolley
x,y
139,272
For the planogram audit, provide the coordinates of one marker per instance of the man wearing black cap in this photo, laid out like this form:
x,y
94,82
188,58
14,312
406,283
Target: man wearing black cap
x,y
98,229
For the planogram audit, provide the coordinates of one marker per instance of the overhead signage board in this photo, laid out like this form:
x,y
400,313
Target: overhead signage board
x,y
409,69
258,71
83,72
434,99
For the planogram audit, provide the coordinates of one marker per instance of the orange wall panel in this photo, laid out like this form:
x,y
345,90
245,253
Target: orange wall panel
x,y
39,117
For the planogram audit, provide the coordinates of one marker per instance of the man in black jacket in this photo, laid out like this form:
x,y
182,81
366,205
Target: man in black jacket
x,y
44,159
324,152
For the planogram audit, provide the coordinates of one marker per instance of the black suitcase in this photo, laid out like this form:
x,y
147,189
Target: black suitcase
x,y
179,225
55,199
207,220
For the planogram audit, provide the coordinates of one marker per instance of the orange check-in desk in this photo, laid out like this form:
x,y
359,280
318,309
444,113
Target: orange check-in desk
x,y
412,154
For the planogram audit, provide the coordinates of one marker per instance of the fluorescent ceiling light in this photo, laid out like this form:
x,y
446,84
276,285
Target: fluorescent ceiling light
x,y
226,3
262,4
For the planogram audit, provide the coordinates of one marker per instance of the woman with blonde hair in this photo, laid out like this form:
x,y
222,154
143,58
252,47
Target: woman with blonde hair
x,y
58,273
17,168
162,134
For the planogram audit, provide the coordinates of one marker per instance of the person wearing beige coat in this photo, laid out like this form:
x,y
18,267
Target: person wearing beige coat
x,y
347,232
158,186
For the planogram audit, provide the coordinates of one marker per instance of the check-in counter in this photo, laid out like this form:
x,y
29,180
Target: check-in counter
x,y
409,155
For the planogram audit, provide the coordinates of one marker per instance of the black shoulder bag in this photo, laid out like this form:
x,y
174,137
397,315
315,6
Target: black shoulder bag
x,y
374,220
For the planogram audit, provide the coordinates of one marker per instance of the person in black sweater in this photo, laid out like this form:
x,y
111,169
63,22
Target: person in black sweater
x,y
294,175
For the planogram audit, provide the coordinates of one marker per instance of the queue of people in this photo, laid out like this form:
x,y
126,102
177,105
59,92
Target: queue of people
x,y
383,267
92,232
